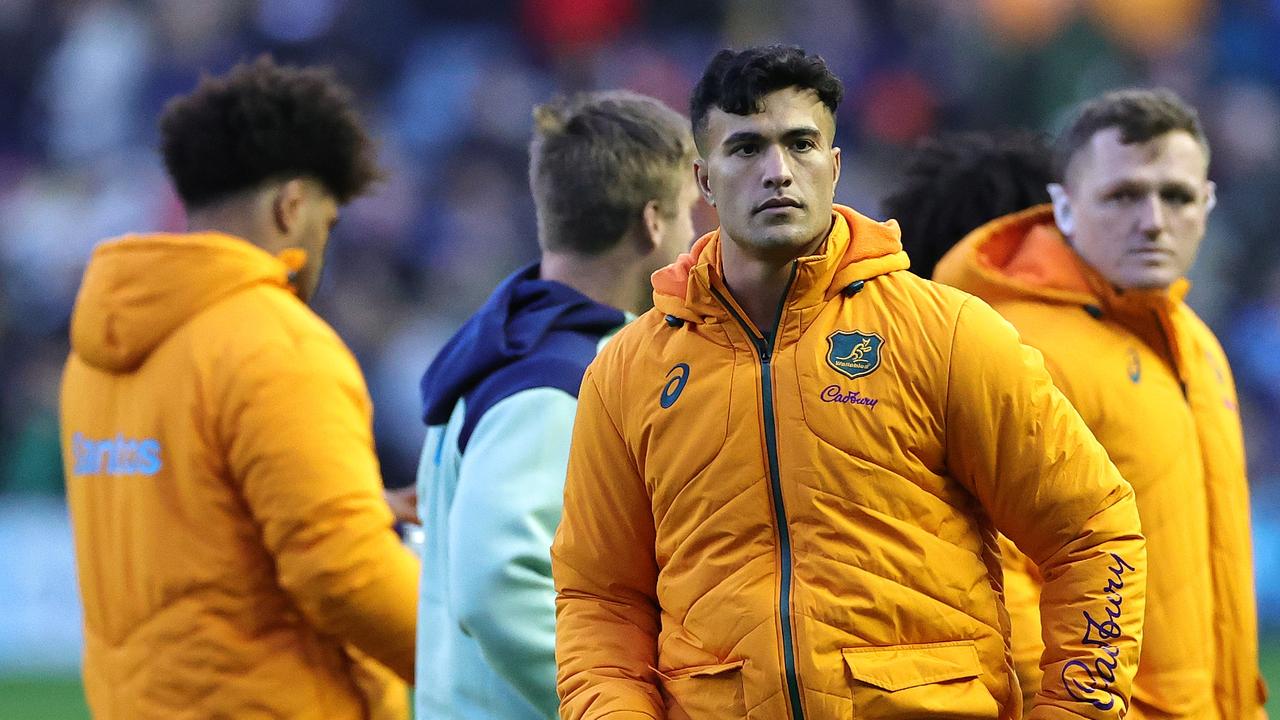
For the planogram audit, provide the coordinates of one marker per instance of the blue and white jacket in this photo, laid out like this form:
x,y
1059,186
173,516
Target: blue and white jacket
x,y
499,399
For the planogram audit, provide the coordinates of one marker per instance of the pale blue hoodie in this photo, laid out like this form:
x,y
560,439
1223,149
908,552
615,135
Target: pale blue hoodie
x,y
499,399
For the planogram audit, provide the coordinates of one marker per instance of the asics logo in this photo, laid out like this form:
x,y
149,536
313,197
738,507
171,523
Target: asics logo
x,y
1135,366
677,377
115,456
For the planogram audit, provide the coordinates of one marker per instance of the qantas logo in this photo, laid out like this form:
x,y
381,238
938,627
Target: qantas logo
x,y
116,456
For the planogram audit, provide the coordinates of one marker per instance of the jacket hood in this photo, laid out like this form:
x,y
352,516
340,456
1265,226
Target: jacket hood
x,y
1023,256
857,248
139,288
522,311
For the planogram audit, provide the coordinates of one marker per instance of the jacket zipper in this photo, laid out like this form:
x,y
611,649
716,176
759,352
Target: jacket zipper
x,y
1167,335
764,349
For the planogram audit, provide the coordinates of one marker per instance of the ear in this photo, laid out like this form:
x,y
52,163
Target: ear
x,y
703,179
650,235
835,158
1211,201
287,206
1063,214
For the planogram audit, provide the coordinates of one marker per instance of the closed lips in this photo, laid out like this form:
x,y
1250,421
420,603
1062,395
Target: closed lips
x,y
777,203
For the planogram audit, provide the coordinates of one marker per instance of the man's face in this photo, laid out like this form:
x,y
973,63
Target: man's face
x,y
1136,213
675,226
317,214
672,235
772,175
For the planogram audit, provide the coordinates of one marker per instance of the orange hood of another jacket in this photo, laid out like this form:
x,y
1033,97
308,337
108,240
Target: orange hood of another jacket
x,y
857,248
139,289
1024,256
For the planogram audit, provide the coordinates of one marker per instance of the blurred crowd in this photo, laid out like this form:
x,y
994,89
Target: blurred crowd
x,y
448,86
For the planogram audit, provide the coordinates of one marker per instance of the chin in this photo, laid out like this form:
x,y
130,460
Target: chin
x,y
1157,280
775,238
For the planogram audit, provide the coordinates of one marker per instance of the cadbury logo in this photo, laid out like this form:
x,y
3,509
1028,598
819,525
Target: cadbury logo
x,y
834,394
1092,683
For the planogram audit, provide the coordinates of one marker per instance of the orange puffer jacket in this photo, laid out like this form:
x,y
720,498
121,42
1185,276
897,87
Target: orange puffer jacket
x,y
1152,382
804,526
235,554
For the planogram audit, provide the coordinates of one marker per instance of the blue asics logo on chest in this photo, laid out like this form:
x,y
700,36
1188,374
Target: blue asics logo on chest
x,y
115,456
675,385
1135,366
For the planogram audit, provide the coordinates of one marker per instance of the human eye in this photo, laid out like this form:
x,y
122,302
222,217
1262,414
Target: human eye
x,y
803,144
745,149
1124,195
1177,196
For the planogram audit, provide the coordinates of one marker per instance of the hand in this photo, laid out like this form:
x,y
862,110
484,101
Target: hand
x,y
404,504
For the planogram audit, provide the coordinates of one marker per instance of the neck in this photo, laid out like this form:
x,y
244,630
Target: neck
x,y
607,278
758,281
245,217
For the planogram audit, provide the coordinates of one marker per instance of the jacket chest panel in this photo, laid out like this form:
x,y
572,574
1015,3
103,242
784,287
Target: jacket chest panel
x,y
1142,417
858,395
697,429
1216,409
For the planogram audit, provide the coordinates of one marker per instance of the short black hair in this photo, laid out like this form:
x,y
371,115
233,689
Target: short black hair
x,y
595,161
262,121
736,82
1139,114
956,183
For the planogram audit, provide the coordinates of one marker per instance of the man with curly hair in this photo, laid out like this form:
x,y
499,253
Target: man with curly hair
x,y
235,553
957,182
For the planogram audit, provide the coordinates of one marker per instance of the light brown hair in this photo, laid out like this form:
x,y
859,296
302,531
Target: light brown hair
x,y
597,159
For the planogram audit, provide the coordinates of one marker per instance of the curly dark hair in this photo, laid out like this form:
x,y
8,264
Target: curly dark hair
x,y
1139,114
262,121
736,82
956,183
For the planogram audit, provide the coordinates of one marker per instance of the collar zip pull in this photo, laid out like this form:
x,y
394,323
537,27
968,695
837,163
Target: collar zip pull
x,y
853,288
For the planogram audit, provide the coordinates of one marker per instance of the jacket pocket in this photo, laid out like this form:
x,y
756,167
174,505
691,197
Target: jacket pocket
x,y
934,680
706,692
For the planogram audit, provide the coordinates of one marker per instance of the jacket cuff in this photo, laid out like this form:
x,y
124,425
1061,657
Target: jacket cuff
x,y
1053,712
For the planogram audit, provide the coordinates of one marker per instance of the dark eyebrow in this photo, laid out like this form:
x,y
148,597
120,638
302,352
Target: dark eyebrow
x,y
1138,186
743,136
1178,185
749,136
805,131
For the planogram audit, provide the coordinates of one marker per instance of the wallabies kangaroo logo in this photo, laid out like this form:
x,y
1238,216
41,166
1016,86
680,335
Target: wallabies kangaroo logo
x,y
854,354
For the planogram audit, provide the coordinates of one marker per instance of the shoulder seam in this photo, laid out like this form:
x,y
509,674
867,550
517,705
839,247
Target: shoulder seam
x,y
946,390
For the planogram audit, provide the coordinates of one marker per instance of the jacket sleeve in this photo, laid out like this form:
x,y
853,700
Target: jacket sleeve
x,y
1049,486
297,427
501,523
1022,598
606,575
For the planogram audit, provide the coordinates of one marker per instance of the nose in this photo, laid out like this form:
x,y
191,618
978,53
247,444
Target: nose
x,y
1151,216
776,168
